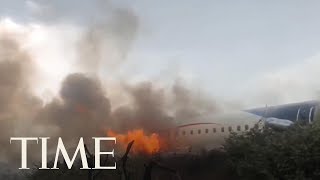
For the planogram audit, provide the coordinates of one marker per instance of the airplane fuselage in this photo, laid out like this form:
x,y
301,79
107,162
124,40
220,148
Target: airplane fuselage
x,y
209,132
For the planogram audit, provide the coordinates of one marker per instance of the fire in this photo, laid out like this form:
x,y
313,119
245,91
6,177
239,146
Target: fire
x,y
143,143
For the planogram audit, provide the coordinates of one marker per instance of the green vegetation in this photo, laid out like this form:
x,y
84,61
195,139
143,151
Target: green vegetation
x,y
293,153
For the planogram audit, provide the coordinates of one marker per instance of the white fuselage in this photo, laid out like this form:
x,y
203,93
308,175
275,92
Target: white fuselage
x,y
209,132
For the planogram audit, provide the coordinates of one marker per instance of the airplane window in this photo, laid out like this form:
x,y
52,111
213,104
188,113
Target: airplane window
x,y
183,133
199,131
214,130
239,128
207,130
230,128
191,132
246,127
222,129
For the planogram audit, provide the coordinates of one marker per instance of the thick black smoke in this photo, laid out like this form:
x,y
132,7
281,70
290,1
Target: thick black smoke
x,y
82,109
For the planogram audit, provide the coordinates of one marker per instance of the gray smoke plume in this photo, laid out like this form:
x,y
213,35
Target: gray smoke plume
x,y
17,105
82,110
83,107
105,43
107,33
153,108
148,109
191,104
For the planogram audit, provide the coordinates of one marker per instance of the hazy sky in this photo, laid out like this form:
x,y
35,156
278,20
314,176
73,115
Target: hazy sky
x,y
228,48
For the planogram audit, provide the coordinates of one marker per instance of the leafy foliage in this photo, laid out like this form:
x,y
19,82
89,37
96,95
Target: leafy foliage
x,y
266,153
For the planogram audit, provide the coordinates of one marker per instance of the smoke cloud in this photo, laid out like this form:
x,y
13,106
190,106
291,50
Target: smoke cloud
x,y
82,106
106,43
17,104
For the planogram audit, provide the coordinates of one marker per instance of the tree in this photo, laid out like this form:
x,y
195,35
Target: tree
x,y
293,153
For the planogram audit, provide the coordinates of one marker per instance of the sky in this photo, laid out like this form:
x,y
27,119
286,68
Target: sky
x,y
265,51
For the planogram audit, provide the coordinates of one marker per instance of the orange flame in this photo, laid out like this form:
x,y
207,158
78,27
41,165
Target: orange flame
x,y
143,143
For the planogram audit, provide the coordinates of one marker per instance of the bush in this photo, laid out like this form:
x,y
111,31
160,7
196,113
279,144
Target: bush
x,y
265,153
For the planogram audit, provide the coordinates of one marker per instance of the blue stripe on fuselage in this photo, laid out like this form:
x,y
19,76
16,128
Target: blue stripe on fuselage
x,y
286,111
